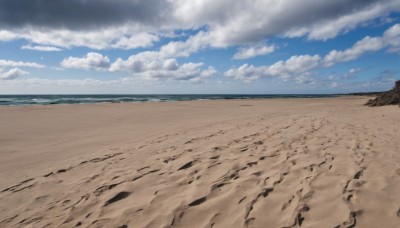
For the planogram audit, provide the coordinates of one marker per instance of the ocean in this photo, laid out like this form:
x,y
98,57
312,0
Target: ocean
x,y
17,100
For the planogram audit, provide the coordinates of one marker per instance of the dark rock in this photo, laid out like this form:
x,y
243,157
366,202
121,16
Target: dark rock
x,y
391,97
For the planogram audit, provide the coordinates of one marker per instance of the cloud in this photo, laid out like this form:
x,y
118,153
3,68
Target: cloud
x,y
227,28
10,63
186,71
7,35
363,46
390,39
9,69
148,65
185,48
104,24
135,41
91,61
81,14
250,52
141,63
253,21
40,48
124,37
306,78
350,74
97,24
12,74
295,65
92,85
246,72
86,82
300,67
360,12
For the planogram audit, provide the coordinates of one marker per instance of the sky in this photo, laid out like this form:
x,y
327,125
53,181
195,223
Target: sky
x,y
198,46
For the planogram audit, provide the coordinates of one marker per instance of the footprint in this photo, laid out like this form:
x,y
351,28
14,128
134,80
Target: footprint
x,y
49,174
12,188
219,185
266,192
215,157
352,221
186,166
250,164
143,168
63,170
198,201
241,200
118,197
358,174
100,190
217,148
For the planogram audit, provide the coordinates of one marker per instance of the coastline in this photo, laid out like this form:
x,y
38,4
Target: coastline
x,y
55,99
335,150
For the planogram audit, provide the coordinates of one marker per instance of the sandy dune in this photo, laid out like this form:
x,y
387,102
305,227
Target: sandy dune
x,y
242,163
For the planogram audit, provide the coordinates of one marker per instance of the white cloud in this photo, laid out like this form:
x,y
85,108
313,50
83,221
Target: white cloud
x,y
12,74
305,78
185,71
85,83
185,48
148,65
250,52
210,71
389,39
246,72
142,63
295,65
40,48
224,23
91,61
135,41
241,22
91,85
10,63
352,73
392,38
7,35
122,37
330,28
300,67
363,46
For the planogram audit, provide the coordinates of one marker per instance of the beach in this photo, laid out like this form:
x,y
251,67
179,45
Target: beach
x,y
304,162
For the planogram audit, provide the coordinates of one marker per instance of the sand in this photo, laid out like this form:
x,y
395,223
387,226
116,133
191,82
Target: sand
x,y
328,162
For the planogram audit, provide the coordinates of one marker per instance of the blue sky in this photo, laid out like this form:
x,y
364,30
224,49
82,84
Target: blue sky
x,y
200,46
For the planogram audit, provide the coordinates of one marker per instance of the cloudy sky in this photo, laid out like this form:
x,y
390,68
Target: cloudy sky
x,y
198,46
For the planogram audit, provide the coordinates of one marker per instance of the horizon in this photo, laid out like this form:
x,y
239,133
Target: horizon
x,y
177,94
180,47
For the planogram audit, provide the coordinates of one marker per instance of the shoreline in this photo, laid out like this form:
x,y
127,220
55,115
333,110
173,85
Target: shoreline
x,y
27,100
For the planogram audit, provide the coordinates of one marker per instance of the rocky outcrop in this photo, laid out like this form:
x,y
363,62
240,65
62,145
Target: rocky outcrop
x,y
391,97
